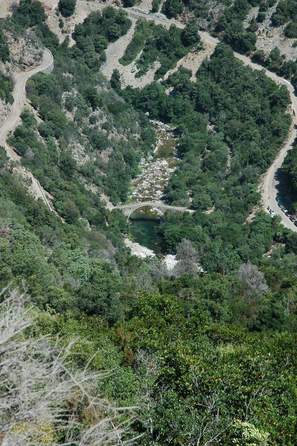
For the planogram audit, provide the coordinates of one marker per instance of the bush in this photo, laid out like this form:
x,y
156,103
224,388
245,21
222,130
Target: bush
x,y
142,32
156,5
291,30
4,50
190,36
128,3
6,88
172,8
67,7
29,13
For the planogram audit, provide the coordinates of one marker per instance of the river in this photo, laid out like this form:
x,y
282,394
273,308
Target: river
x,y
150,185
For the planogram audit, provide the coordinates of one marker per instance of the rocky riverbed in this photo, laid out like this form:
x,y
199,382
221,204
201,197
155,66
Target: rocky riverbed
x,y
150,185
156,170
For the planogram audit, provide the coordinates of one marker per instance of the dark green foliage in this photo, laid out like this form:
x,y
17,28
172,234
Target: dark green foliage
x,y
229,22
230,26
67,7
142,32
190,36
289,169
220,169
156,5
115,80
6,87
3,157
159,44
172,8
165,46
111,24
286,10
261,17
128,3
4,50
29,13
291,30
98,29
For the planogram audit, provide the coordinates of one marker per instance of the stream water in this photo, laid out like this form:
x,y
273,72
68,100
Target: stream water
x,y
150,185
146,233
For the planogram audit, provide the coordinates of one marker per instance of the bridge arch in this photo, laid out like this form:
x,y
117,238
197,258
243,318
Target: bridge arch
x,y
129,208
148,211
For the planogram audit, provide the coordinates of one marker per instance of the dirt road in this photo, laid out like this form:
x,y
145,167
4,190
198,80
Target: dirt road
x,y
268,185
13,120
19,97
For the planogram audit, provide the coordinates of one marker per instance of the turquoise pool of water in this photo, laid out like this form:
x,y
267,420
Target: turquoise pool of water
x,y
146,233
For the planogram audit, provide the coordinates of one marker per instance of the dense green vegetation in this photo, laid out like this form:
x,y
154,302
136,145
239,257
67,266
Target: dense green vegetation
x,y
204,357
5,88
29,13
155,43
165,46
67,7
230,26
285,12
220,164
76,145
227,23
98,29
289,169
156,5
291,30
4,50
142,32
226,20
172,8
198,346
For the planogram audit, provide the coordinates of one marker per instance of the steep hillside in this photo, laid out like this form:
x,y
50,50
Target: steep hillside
x,y
102,106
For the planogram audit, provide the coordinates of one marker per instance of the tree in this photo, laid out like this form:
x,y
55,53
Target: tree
x,y
172,8
115,80
4,50
67,7
291,30
128,3
29,13
101,294
252,279
190,36
246,434
187,258
41,395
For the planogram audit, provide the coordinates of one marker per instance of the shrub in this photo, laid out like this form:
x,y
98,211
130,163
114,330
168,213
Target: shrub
x,y
67,7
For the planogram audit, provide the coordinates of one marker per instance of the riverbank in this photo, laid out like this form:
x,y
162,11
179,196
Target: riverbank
x,y
155,171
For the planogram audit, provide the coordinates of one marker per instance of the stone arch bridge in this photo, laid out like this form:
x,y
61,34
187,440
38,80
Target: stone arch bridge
x,y
129,208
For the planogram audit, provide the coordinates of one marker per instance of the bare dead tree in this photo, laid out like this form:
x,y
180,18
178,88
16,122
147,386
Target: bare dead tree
x,y
252,279
41,397
188,259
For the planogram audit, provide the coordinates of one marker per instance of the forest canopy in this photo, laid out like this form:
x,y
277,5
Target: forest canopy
x,y
205,353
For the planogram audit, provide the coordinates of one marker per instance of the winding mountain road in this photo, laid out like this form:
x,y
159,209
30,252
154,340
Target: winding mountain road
x,y
19,98
13,120
269,182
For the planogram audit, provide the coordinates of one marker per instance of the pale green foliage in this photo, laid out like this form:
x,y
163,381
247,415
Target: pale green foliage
x,y
246,434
